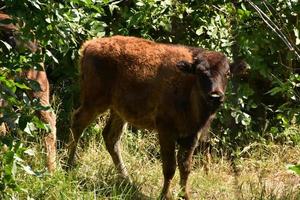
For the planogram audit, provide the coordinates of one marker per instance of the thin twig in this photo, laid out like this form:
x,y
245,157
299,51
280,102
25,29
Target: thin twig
x,y
270,23
281,22
275,28
217,8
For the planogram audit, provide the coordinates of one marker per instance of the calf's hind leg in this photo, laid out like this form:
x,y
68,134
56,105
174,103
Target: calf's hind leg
x,y
112,134
82,117
50,139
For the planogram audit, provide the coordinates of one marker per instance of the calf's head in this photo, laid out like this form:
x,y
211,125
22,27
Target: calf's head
x,y
212,70
10,34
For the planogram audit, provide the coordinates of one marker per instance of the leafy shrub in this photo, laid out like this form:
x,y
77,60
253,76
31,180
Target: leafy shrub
x,y
261,105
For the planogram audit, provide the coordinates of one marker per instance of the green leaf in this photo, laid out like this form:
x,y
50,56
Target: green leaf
x,y
8,47
34,85
22,86
200,30
295,168
29,152
40,124
30,128
23,121
35,3
140,4
51,55
296,32
28,170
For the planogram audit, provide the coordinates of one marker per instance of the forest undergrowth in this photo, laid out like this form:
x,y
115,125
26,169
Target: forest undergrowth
x,y
259,172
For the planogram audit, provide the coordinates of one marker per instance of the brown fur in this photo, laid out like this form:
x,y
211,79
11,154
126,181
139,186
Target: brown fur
x,y
8,33
6,27
153,86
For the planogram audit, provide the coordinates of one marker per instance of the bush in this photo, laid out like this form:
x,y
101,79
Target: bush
x,y
260,106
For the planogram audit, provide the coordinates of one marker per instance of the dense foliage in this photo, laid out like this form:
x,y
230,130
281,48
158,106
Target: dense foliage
x,y
262,104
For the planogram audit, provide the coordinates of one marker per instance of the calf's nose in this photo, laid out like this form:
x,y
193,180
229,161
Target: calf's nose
x,y
217,96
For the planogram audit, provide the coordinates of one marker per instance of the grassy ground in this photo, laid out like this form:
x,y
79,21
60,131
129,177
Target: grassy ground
x,y
262,173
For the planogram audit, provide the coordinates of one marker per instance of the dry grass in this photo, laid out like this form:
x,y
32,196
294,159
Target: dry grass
x,y
262,173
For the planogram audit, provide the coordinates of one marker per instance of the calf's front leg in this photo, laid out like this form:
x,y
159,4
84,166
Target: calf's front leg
x,y
82,117
168,156
184,159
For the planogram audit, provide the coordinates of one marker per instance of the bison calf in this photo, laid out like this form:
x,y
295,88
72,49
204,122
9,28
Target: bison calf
x,y
172,89
9,33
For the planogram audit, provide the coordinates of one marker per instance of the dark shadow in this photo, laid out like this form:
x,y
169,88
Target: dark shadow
x,y
113,186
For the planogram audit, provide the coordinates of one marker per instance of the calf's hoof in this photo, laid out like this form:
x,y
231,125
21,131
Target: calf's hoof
x,y
167,196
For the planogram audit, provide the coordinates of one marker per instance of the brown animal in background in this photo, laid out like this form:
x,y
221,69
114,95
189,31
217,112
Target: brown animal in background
x,y
172,89
8,33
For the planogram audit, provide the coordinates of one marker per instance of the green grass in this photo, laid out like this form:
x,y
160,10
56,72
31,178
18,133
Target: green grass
x,y
262,173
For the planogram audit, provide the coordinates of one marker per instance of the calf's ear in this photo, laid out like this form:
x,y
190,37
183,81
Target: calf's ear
x,y
238,67
185,67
